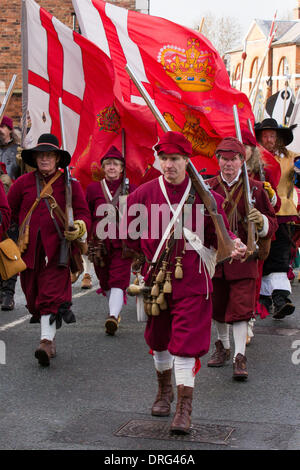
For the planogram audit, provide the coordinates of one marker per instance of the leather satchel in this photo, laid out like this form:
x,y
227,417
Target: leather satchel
x,y
11,262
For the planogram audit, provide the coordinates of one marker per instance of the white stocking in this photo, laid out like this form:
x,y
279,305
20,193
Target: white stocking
x,y
183,368
47,331
87,265
223,333
240,330
116,300
163,360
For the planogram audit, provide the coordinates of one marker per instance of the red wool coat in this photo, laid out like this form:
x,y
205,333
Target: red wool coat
x,y
22,195
116,272
248,269
185,327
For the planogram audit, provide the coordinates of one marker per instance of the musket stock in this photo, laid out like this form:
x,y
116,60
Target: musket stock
x,y
225,243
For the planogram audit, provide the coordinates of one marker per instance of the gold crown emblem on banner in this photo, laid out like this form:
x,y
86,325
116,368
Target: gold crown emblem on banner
x,y
190,68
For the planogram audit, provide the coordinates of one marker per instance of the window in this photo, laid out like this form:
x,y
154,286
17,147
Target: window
x,y
282,72
253,72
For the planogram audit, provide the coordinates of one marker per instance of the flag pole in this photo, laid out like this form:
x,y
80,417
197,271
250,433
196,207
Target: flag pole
x,y
7,96
201,24
244,57
259,75
225,243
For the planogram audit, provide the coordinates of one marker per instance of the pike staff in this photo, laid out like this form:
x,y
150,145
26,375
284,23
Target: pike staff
x,y
270,39
7,96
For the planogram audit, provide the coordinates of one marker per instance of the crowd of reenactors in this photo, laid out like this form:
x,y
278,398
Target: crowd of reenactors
x,y
182,285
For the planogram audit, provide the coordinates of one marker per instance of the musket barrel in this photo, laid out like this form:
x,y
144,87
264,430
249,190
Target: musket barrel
x,y
251,240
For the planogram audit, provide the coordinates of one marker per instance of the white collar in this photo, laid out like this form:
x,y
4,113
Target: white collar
x,y
233,181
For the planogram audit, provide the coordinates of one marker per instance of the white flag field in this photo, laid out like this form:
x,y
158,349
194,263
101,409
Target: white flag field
x,y
60,63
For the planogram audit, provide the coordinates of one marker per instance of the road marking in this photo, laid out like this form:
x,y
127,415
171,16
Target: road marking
x,y
14,323
80,294
26,317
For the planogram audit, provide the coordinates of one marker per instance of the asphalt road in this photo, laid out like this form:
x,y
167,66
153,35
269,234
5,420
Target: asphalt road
x,y
98,391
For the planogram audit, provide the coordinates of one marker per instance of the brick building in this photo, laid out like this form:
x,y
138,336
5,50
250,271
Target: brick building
x,y
10,43
282,60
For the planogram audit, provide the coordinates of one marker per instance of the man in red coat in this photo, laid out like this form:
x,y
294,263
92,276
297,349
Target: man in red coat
x,y
179,307
276,287
111,266
234,283
45,283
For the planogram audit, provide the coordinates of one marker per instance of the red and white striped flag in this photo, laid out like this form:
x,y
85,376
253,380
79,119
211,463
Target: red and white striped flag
x,y
58,62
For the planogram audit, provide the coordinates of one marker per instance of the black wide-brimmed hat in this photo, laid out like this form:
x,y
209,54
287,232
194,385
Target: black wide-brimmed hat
x,y
286,133
46,143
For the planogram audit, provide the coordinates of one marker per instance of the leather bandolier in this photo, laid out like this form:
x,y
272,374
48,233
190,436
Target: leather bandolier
x,y
97,250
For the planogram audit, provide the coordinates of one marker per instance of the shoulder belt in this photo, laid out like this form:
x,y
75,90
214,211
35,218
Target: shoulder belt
x,y
44,191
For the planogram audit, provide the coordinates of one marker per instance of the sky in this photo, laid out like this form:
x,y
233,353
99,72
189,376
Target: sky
x,y
187,12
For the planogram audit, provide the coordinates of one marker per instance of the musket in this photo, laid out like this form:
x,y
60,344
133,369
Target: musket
x,y
7,96
69,216
225,243
68,179
249,201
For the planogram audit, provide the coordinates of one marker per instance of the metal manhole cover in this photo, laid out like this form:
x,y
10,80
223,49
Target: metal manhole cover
x,y
150,429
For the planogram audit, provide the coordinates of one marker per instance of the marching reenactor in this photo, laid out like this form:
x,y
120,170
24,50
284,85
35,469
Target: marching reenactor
x,y
234,282
38,204
10,156
5,212
106,250
258,170
276,286
9,148
267,174
177,277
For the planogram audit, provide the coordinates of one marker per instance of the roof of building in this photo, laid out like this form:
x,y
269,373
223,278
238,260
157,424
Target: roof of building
x,y
288,31
292,35
282,27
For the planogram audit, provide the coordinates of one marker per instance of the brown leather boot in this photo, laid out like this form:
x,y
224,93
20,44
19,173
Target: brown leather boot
x,y
220,356
112,324
239,367
44,352
165,395
182,420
